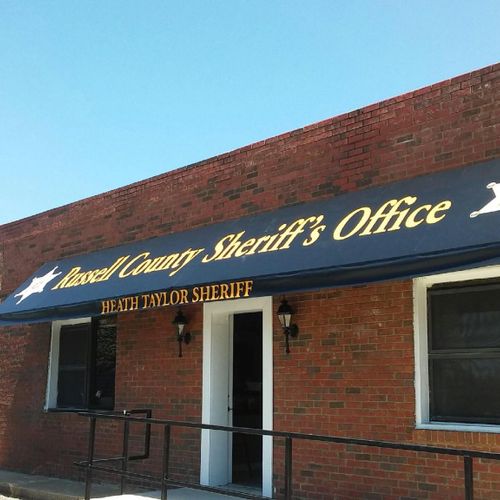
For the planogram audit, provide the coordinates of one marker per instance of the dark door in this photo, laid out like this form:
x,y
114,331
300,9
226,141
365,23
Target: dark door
x,y
247,398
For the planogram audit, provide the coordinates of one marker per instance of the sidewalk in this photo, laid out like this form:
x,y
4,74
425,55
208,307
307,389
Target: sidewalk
x,y
32,487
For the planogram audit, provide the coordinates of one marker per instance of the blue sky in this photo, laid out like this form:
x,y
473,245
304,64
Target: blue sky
x,y
95,95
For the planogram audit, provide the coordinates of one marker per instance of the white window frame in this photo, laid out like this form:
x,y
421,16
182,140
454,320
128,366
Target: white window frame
x,y
53,366
420,287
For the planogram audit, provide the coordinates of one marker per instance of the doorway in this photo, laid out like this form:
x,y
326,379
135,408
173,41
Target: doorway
x,y
245,398
237,391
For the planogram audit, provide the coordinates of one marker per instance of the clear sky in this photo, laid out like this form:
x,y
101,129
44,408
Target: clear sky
x,y
97,94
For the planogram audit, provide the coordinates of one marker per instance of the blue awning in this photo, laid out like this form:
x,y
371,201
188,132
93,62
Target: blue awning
x,y
424,225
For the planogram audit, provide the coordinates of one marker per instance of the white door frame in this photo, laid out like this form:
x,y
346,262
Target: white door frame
x,y
217,319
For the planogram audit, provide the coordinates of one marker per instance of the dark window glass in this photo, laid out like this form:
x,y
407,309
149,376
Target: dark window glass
x,y
73,345
87,356
72,389
466,389
466,318
464,353
103,382
73,360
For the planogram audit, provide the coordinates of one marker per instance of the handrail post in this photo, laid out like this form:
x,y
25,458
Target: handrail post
x,y
126,430
90,458
165,463
147,437
468,478
288,468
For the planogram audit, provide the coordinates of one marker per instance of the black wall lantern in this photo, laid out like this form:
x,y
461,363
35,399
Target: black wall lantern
x,y
285,316
180,322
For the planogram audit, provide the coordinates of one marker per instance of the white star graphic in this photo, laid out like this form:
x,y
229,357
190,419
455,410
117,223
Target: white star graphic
x,y
493,205
37,285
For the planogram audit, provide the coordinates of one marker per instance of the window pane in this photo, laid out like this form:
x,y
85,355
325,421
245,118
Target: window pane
x,y
465,390
73,354
73,345
103,387
87,358
71,389
465,318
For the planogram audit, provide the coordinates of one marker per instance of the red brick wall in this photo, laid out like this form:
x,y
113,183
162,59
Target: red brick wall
x,y
151,375
351,374
351,370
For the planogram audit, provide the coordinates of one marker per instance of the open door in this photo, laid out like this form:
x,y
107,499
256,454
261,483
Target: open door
x,y
245,398
237,391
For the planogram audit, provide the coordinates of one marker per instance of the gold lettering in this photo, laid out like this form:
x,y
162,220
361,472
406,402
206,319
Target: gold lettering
x,y
248,287
206,293
87,277
185,259
390,216
174,297
76,278
64,282
168,261
113,268
258,242
222,252
201,294
409,200
214,292
155,264
224,291
123,273
153,300
243,247
240,286
106,306
316,230
411,221
184,296
145,301
98,273
270,242
366,212
432,217
290,232
134,302
379,214
141,268
386,217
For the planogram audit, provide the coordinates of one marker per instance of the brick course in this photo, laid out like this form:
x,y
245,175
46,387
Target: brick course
x,y
351,371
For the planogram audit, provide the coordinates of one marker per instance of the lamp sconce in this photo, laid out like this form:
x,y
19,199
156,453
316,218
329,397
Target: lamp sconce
x,y
285,313
180,322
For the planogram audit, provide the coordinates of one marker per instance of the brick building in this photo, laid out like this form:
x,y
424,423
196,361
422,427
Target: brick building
x,y
358,221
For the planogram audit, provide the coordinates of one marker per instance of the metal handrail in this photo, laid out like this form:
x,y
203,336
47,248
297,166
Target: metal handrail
x,y
90,463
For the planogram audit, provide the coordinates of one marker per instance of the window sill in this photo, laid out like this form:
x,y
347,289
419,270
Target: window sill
x,y
64,410
75,410
459,427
